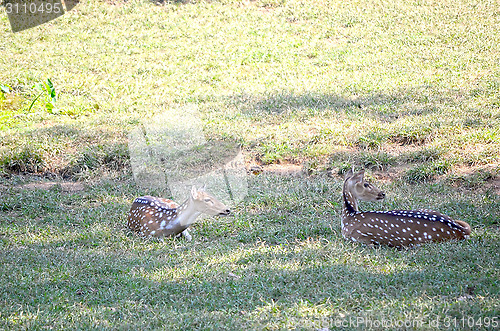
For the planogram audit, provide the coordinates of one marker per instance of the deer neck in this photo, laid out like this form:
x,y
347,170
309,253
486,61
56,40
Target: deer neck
x,y
187,213
350,203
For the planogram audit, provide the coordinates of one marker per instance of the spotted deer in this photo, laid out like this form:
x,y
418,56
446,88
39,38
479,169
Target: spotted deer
x,y
396,228
153,217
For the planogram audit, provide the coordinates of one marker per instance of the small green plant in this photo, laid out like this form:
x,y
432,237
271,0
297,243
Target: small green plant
x,y
50,99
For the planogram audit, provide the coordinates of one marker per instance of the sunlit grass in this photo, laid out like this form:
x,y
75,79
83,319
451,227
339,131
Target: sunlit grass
x,y
257,69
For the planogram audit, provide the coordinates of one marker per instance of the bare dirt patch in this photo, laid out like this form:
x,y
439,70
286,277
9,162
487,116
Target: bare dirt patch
x,y
278,169
489,176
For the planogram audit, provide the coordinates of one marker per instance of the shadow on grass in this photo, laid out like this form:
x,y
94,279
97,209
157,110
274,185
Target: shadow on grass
x,y
71,150
385,127
64,149
134,288
375,104
74,265
76,153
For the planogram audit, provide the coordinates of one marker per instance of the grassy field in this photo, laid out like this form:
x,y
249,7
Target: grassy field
x,y
409,90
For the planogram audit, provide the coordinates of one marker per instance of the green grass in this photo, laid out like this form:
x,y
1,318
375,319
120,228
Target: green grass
x,y
279,262
409,90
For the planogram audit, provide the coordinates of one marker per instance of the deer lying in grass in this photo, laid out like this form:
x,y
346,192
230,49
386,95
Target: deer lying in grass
x,y
157,217
397,228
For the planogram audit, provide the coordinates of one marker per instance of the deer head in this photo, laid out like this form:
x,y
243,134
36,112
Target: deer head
x,y
206,203
360,189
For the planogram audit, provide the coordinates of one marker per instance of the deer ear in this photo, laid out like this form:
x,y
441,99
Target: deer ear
x,y
351,173
359,175
194,192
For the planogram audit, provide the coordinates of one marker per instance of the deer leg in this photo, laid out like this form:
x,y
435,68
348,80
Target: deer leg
x,y
186,235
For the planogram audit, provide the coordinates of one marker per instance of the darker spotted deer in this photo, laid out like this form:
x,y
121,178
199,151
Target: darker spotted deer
x,y
158,217
397,228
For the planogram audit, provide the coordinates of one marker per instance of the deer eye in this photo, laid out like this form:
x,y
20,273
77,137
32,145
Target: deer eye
x,y
208,200
366,184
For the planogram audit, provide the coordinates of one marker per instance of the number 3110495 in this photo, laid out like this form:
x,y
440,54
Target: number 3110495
x,y
33,8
